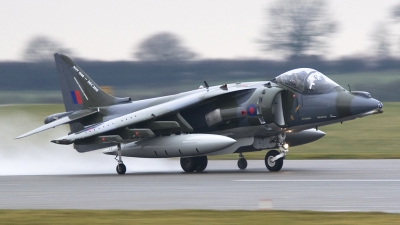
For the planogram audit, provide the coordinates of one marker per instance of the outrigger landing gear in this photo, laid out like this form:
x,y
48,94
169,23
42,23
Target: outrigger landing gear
x,y
121,168
115,139
274,158
242,162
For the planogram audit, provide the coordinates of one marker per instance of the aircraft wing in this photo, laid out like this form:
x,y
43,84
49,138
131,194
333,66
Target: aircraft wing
x,y
71,117
152,112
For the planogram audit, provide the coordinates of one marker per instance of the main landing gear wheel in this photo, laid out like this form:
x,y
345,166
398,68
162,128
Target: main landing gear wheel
x,y
202,162
188,164
191,164
276,165
242,162
121,169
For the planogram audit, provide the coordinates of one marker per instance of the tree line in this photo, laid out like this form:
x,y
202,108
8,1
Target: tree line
x,y
161,78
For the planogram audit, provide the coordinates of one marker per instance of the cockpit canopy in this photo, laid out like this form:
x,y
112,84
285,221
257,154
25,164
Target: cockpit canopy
x,y
307,80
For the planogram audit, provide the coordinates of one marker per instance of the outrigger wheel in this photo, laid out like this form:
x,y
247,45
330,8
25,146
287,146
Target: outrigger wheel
x,y
276,165
121,169
242,162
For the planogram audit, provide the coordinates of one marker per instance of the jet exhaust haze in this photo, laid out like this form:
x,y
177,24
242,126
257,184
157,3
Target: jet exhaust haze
x,y
36,155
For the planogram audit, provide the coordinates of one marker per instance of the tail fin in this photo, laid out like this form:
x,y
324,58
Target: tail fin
x,y
78,89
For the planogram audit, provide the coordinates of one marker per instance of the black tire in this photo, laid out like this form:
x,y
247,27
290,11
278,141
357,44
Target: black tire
x,y
201,163
189,164
121,169
242,163
273,166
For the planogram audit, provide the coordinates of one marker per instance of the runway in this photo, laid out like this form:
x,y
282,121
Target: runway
x,y
321,185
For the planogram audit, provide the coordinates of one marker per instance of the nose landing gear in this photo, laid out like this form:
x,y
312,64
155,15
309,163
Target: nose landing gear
x,y
271,163
274,158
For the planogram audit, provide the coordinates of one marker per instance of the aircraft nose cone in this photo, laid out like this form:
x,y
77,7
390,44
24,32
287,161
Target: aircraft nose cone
x,y
380,105
361,105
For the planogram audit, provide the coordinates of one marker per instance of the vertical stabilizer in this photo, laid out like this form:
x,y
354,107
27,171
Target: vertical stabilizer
x,y
78,89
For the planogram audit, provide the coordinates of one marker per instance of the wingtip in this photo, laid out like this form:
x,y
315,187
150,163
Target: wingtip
x,y
24,135
19,137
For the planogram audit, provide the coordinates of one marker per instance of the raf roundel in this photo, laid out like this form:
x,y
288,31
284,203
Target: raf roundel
x,y
252,110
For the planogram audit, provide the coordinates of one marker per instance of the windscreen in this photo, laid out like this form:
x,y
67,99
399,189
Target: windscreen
x,y
307,81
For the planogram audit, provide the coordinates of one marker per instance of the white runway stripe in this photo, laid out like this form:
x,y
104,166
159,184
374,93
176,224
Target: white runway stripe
x,y
316,180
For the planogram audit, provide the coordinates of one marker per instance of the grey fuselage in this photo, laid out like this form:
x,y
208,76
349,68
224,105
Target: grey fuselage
x,y
264,110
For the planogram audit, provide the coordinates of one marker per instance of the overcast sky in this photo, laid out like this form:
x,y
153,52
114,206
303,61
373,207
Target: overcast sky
x,y
111,30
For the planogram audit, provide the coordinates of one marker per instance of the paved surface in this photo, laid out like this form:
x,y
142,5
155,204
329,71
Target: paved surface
x,y
323,185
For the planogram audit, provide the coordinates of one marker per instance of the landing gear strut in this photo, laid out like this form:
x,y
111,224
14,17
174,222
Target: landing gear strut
x,y
274,158
242,162
121,168
191,164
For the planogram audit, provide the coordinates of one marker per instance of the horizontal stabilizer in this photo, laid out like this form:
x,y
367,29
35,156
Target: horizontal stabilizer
x,y
74,116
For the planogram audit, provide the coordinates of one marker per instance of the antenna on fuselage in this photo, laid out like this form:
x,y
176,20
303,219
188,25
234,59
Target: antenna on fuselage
x,y
349,87
205,84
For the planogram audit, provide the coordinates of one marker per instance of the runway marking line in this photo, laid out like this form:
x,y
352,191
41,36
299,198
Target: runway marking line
x,y
338,180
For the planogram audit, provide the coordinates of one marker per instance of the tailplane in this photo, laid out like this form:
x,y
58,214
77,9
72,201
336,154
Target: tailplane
x,y
78,89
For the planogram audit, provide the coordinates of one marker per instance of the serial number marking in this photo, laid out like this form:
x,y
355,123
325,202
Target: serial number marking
x,y
90,83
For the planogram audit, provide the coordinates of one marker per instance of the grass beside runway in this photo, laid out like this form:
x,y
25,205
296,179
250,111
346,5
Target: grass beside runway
x,y
192,217
371,137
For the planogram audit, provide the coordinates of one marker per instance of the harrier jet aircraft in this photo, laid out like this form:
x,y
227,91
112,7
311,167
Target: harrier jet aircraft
x,y
229,118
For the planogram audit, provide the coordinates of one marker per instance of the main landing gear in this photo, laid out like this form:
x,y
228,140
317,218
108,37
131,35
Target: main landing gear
x,y
191,164
242,162
121,168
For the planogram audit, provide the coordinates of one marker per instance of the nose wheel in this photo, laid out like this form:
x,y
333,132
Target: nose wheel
x,y
242,162
272,163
